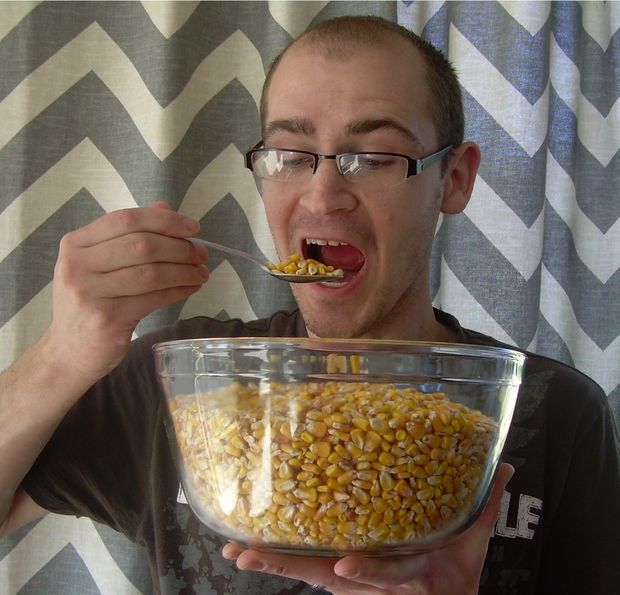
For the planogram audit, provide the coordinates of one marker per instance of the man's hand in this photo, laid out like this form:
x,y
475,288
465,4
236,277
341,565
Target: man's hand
x,y
109,275
454,569
112,273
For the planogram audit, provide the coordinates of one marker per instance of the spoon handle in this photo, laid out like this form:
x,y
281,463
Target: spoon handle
x,y
230,250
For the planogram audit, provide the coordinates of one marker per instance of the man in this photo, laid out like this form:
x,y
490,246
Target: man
x,y
350,111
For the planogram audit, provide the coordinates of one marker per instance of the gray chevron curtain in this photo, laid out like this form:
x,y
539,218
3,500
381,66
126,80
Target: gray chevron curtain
x,y
105,105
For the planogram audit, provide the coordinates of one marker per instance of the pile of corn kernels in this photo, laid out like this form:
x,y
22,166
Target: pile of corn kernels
x,y
296,265
337,465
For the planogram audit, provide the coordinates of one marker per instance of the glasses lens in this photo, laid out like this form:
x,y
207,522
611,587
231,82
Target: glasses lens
x,y
373,168
277,165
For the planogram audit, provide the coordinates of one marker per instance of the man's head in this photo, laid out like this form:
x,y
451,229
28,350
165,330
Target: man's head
x,y
335,37
354,86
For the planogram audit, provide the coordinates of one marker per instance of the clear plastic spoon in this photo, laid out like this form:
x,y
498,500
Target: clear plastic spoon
x,y
291,278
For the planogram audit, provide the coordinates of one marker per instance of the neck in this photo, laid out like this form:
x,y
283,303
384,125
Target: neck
x,y
418,326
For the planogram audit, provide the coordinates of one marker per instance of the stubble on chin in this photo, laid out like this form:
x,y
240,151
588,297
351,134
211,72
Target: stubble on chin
x,y
334,322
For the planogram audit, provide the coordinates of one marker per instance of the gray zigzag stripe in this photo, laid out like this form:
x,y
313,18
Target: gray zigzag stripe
x,y
523,69
129,557
593,63
103,119
505,167
603,212
592,301
497,286
590,177
510,299
591,60
166,65
132,30
56,567
17,270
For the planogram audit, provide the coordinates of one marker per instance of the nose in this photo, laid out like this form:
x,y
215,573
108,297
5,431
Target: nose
x,y
328,191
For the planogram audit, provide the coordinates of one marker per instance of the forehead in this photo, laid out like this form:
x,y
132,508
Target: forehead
x,y
351,83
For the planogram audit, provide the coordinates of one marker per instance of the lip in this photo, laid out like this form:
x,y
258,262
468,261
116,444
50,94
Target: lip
x,y
339,288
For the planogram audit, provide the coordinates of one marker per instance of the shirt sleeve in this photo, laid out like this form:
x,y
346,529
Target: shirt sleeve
x,y
97,463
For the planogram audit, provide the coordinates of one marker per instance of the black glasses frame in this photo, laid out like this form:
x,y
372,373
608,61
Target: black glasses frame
x,y
414,166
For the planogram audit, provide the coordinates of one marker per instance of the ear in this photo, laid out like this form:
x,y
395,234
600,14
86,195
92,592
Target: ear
x,y
460,177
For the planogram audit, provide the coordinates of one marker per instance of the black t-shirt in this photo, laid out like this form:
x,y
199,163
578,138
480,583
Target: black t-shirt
x,y
558,531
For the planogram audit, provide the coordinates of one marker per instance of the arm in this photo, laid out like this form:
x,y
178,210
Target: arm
x,y
109,275
455,568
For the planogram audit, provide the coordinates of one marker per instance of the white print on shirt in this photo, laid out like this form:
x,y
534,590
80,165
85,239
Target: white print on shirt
x,y
527,517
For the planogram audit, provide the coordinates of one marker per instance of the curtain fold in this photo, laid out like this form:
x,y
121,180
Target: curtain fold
x,y
111,105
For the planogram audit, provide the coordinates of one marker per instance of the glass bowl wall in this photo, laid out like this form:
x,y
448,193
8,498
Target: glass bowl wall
x,y
328,447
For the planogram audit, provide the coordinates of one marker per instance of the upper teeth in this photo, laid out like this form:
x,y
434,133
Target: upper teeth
x,y
325,242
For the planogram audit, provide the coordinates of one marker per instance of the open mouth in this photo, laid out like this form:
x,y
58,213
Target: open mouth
x,y
338,254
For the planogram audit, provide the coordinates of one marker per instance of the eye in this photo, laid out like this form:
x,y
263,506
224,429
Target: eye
x,y
296,160
357,163
375,161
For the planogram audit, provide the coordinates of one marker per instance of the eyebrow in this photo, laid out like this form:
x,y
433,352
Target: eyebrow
x,y
366,126
294,125
305,126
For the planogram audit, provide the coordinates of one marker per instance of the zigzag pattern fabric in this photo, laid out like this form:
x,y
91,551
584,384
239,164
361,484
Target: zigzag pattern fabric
x,y
112,105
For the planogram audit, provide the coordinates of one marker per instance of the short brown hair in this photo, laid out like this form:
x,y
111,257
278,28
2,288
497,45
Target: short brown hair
x,y
332,35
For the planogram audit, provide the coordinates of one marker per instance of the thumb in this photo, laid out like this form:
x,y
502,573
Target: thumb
x,y
491,510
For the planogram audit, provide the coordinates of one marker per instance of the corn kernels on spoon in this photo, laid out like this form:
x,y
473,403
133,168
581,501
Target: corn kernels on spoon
x,y
293,270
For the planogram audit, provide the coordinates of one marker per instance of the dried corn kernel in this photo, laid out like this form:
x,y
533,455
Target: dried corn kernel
x,y
296,265
335,472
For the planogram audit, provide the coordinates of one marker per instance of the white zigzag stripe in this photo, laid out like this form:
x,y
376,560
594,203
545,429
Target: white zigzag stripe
x,y
162,128
600,252
532,16
454,297
294,17
525,123
48,538
556,308
601,20
25,327
223,291
227,174
505,230
11,13
599,134
83,167
169,17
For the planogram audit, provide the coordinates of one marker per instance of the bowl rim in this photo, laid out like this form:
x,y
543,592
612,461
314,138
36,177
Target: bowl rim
x,y
324,344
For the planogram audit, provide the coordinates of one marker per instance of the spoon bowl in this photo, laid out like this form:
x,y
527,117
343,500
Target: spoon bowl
x,y
290,278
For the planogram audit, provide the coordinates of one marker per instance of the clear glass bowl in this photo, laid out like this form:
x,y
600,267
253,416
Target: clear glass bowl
x,y
332,447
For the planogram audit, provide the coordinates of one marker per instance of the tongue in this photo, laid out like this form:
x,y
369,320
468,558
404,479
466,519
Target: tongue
x,y
342,257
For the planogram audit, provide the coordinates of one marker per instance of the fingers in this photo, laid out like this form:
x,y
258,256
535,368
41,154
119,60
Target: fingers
x,y
147,278
159,219
445,570
131,252
140,248
309,570
383,572
486,522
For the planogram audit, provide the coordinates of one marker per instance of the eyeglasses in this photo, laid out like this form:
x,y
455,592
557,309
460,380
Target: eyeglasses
x,y
380,169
